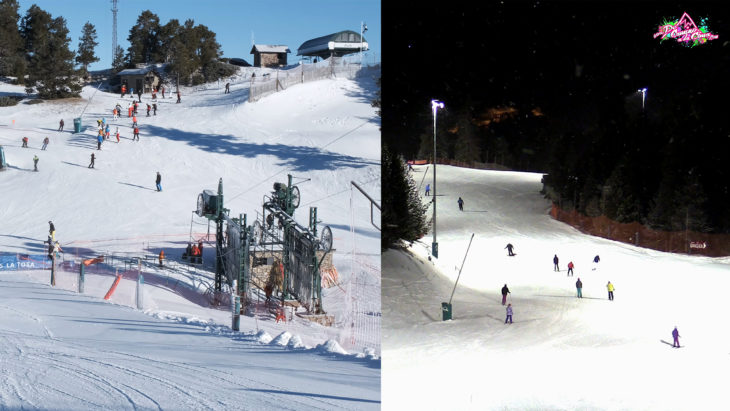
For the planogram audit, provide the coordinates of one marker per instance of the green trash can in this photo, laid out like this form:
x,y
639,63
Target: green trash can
x,y
77,125
446,310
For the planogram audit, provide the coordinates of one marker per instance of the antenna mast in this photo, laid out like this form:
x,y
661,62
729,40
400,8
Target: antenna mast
x,y
114,30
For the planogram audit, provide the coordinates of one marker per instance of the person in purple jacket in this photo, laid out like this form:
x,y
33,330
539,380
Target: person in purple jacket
x,y
509,314
675,334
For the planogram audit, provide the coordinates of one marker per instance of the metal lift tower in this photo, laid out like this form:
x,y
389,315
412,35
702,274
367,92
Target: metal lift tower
x,y
114,30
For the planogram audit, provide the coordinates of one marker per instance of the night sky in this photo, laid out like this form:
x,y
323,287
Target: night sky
x,y
563,57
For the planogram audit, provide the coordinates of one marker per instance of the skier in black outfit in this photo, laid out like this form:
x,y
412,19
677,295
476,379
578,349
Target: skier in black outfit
x,y
461,204
555,261
158,180
505,291
509,249
91,165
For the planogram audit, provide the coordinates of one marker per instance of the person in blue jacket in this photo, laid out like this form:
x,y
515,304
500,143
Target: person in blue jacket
x,y
675,334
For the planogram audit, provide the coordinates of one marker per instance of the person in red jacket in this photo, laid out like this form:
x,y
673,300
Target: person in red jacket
x,y
570,268
136,134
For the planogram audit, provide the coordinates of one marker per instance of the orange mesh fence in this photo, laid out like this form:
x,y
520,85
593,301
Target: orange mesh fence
x,y
711,245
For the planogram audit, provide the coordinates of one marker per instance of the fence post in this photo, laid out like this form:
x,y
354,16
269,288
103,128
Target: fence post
x,y
81,278
235,307
140,297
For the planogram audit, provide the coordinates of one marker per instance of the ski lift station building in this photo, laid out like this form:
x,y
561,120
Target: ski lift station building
x,y
333,45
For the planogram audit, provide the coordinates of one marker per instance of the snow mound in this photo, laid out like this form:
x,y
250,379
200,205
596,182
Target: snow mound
x,y
331,346
263,337
368,353
295,343
281,339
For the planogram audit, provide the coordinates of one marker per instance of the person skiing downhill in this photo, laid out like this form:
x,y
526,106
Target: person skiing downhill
x,y
509,249
228,88
509,314
555,261
35,163
675,335
60,125
428,189
461,204
158,181
136,134
570,268
610,288
579,287
505,291
25,142
91,165
45,143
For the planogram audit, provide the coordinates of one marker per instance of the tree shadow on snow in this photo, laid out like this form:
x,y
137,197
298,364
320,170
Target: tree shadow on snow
x,y
299,158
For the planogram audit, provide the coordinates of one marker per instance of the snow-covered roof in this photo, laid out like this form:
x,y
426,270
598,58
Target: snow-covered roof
x,y
135,71
340,43
267,48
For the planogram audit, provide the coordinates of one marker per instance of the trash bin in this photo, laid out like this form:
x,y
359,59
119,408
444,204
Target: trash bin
x,y
446,309
77,125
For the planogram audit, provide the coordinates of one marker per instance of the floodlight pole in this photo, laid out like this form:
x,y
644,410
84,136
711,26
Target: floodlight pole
x,y
363,29
435,105
643,97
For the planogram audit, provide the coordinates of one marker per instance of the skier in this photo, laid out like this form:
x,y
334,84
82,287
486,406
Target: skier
x,y
675,334
158,181
148,110
136,133
610,288
117,134
505,291
35,163
107,131
461,204
228,88
51,230
596,259
509,249
139,94
129,110
45,143
162,256
509,314
134,120
154,109
25,142
60,125
555,261
579,287
178,96
428,189
124,90
99,140
570,268
91,165
163,92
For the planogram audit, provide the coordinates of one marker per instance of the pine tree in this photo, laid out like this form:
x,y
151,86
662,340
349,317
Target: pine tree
x,y
118,63
12,62
85,54
50,62
404,216
144,44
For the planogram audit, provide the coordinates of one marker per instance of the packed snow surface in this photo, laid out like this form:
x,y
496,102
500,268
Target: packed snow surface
x,y
561,352
61,349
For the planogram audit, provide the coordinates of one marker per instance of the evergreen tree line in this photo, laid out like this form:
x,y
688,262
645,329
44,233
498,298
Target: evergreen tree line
x,y
191,51
35,49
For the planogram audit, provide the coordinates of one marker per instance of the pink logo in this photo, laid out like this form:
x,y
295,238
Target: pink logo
x,y
685,31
